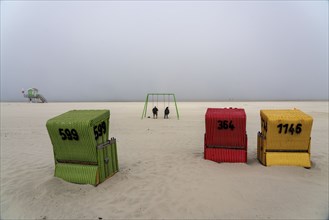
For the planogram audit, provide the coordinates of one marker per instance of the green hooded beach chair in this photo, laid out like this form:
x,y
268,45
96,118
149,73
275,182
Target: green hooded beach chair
x,y
82,150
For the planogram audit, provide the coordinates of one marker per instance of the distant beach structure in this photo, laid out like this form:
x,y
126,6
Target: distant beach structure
x,y
154,99
34,96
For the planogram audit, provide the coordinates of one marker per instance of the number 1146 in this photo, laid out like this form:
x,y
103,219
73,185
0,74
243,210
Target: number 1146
x,y
291,128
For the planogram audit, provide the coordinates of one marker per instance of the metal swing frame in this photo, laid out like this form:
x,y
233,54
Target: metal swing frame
x,y
159,94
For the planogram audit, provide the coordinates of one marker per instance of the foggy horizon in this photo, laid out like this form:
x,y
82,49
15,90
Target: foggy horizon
x,y
84,51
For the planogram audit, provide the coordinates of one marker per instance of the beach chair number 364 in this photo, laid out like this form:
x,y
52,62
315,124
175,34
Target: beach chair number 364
x,y
225,124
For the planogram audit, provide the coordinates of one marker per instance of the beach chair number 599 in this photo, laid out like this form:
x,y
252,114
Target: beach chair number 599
x,y
99,130
68,134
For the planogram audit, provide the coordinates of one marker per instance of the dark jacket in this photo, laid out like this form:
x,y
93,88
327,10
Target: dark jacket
x,y
155,110
167,111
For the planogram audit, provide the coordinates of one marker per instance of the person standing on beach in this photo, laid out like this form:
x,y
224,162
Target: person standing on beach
x,y
155,112
166,112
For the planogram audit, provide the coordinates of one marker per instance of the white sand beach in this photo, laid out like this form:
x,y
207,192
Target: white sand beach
x,y
162,173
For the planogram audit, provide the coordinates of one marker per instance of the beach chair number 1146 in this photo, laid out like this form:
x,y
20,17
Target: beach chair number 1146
x,y
292,128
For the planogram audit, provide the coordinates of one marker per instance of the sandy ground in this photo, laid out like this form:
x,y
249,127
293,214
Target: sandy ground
x,y
162,171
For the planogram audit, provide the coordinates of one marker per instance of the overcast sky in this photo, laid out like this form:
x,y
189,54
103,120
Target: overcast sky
x,y
213,50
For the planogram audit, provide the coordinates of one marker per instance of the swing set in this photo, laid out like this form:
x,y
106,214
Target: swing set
x,y
156,95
